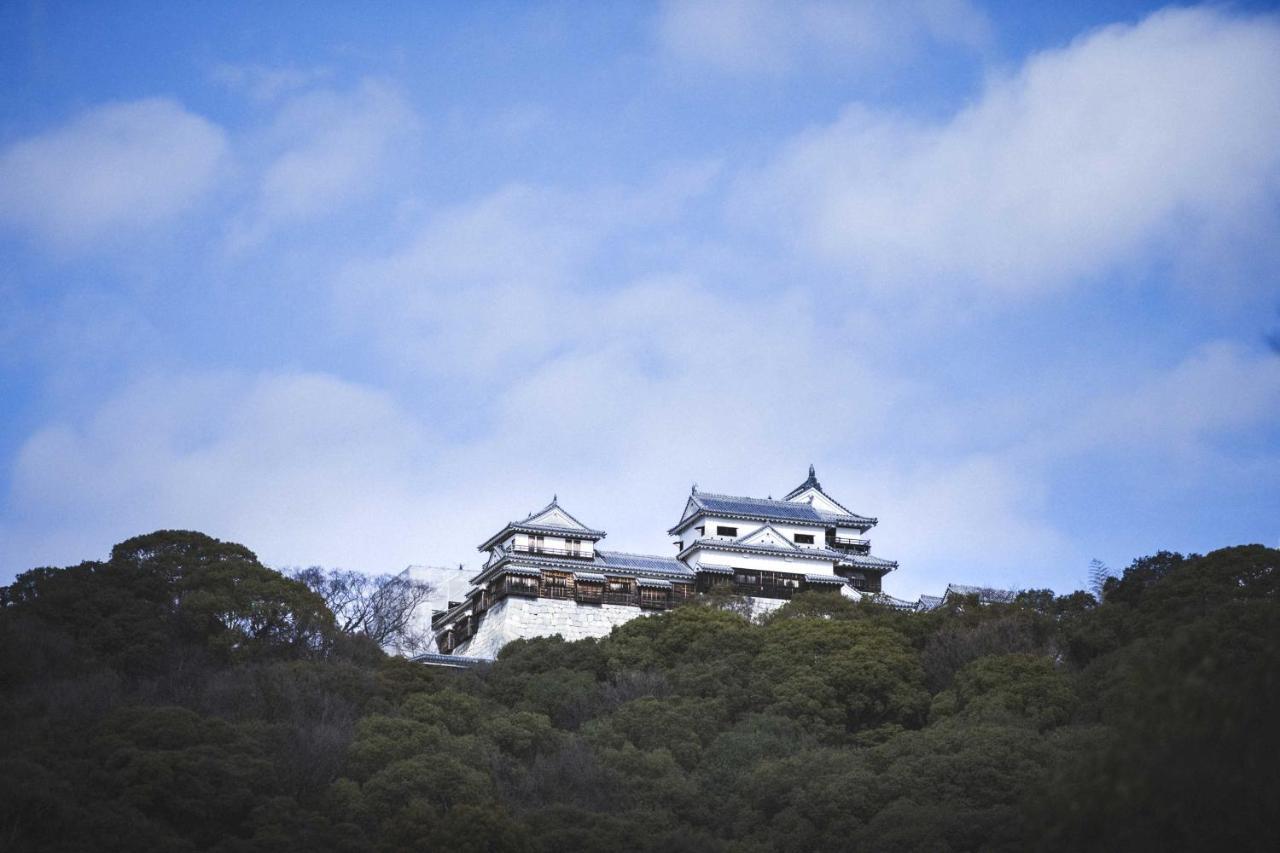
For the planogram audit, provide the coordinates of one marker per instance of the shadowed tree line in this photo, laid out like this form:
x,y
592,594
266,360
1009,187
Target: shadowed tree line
x,y
181,696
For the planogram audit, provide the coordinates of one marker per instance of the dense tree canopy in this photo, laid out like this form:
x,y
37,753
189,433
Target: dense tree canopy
x,y
182,696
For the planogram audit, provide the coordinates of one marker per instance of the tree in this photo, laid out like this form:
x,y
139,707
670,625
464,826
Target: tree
x,y
382,607
1099,574
173,593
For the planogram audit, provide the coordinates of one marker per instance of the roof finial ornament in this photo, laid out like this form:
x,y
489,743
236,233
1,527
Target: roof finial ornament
x,y
554,497
812,482
694,490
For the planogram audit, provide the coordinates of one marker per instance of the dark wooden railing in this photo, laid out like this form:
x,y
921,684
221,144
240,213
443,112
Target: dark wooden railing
x,y
581,553
764,590
551,591
659,601
511,586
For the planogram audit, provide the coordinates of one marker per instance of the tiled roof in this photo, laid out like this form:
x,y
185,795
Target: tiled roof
x,y
929,602
528,571
713,544
555,504
865,561
986,594
763,509
524,526
620,560
824,579
767,528
454,661
606,562
653,582
868,561
895,603
810,483
544,529
588,576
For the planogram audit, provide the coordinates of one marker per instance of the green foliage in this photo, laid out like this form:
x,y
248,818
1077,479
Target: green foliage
x,y
841,675
181,696
1009,688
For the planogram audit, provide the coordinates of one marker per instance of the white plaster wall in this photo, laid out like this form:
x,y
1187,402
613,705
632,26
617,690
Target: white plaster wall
x,y
447,583
819,534
523,540
794,565
746,528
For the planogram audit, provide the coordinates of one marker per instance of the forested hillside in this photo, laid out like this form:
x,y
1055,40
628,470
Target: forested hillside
x,y
181,696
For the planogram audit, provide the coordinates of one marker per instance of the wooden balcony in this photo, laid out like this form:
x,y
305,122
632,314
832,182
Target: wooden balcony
x,y
765,590
849,543
526,587
657,600
552,591
545,551
585,594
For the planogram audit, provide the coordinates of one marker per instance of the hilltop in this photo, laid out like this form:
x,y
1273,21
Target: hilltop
x,y
182,696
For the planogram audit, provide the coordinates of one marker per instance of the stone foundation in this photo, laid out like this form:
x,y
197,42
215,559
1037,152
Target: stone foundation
x,y
515,618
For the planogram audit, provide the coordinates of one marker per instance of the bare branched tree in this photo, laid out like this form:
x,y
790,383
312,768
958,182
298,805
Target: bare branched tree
x,y
381,607
1099,574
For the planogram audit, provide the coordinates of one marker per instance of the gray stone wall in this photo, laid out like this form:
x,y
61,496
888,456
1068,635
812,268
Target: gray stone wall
x,y
515,618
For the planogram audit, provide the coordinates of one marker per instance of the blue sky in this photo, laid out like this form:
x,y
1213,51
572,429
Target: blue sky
x,y
354,286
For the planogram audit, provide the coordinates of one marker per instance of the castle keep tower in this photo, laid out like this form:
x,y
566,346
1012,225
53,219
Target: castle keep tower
x,y
771,548
546,574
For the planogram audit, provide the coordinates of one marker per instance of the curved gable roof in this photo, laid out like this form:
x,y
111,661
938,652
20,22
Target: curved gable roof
x,y
765,509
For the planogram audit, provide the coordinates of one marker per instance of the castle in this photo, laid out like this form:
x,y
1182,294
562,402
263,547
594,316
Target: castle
x,y
546,574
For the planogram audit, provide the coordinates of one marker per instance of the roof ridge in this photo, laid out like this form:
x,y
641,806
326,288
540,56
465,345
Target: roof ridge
x,y
633,554
738,497
555,504
776,501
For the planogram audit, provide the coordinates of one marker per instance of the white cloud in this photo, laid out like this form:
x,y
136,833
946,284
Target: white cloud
x,y
329,149
265,83
304,467
1218,390
111,171
774,36
500,282
1132,138
977,518
307,468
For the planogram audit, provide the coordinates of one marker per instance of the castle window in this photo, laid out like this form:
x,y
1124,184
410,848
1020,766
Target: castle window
x,y
654,598
804,538
556,585
721,530
619,591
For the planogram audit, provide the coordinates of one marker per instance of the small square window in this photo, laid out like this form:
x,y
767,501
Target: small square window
x,y
721,530
804,538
